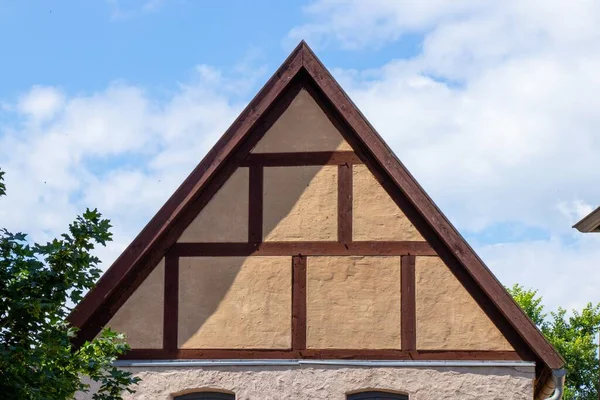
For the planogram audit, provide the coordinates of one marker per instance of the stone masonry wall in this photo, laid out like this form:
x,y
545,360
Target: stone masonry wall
x,y
334,382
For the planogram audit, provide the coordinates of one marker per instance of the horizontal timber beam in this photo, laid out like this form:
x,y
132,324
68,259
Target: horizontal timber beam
x,y
415,248
324,362
301,159
191,354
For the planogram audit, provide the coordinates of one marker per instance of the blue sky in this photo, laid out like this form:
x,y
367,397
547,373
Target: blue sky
x,y
491,105
83,46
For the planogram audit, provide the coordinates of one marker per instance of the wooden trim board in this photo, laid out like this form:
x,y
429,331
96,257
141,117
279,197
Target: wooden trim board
x,y
408,318
349,354
345,203
298,303
301,159
303,248
255,204
171,302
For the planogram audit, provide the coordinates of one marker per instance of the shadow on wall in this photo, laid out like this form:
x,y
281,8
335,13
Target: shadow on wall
x,y
239,302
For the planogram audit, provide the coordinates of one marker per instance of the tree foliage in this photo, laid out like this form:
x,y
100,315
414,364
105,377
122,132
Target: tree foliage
x,y
38,282
573,335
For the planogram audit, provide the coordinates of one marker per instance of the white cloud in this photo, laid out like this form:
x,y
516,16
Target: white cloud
x,y
574,210
41,102
515,143
121,150
565,274
496,115
356,23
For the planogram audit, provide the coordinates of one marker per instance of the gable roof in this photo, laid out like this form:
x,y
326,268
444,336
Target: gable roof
x,y
302,69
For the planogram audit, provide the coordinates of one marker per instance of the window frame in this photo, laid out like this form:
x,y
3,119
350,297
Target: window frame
x,y
376,395
205,395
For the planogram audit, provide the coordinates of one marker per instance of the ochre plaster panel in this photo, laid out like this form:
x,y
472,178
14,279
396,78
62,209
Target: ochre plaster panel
x,y
448,318
375,215
225,217
140,318
303,126
353,302
235,302
300,203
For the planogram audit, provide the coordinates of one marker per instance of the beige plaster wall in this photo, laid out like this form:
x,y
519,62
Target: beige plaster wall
x,y
448,318
225,217
333,383
235,302
300,203
353,302
141,317
375,215
303,126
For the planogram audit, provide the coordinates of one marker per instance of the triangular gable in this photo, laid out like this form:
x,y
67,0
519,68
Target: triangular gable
x,y
301,81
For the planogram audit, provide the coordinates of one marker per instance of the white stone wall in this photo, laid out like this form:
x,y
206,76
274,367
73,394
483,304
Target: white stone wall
x,y
334,382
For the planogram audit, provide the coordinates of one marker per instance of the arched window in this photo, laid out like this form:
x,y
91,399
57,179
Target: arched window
x,y
206,396
374,395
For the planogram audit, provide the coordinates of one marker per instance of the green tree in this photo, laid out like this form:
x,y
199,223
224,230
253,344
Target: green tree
x,y
573,335
38,282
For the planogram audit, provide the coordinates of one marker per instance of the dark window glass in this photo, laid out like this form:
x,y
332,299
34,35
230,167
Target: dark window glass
x,y
377,396
206,396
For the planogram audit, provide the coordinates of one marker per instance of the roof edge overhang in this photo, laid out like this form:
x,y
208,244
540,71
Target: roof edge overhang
x,y
589,223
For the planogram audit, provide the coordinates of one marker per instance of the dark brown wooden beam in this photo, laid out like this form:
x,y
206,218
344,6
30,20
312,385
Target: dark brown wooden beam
x,y
349,354
301,159
171,302
408,309
488,355
298,303
345,203
303,248
255,204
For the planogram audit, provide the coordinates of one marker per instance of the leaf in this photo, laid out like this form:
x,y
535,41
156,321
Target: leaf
x,y
573,335
38,285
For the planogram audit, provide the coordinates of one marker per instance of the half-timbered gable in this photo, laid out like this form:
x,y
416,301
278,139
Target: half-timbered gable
x,y
301,236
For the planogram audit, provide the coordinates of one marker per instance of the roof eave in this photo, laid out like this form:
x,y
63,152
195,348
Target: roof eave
x,y
589,223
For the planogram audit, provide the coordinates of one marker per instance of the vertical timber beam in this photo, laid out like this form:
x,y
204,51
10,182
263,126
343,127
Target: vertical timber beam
x,y
255,205
408,311
345,203
299,302
171,303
